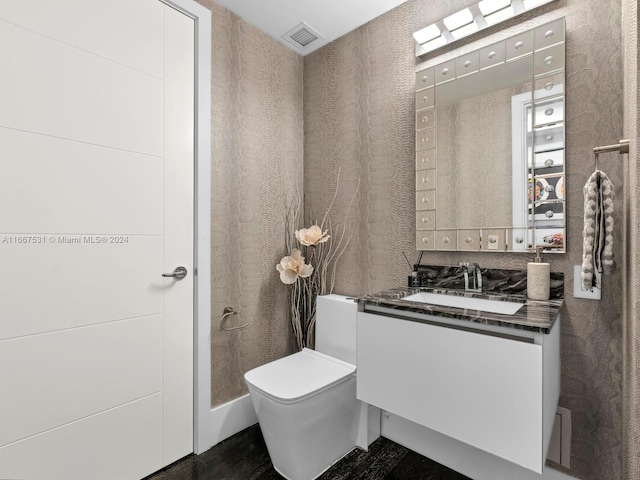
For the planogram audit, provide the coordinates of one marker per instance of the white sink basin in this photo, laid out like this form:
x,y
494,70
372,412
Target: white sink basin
x,y
491,306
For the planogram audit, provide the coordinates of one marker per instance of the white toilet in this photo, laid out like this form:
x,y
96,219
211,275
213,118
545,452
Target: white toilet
x,y
306,403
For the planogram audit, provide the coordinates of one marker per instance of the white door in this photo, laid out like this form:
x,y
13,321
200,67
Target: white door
x,y
96,203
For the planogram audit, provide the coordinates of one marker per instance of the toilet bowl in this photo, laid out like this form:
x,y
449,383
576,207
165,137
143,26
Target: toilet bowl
x,y
306,402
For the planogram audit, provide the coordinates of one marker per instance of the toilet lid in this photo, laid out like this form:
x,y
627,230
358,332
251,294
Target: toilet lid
x,y
299,375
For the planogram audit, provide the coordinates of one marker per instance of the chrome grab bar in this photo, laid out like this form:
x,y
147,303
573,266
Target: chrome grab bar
x,y
227,312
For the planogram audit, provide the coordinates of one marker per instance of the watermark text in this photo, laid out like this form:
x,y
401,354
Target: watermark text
x,y
31,239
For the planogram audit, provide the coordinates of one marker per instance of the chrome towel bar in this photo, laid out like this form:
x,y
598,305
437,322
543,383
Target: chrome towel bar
x,y
622,148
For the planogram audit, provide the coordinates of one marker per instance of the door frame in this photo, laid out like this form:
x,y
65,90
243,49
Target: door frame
x,y
210,425
202,220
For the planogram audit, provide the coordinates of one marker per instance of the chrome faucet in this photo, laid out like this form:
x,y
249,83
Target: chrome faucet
x,y
476,275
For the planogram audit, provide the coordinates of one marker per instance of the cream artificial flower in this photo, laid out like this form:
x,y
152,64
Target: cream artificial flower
x,y
312,236
293,266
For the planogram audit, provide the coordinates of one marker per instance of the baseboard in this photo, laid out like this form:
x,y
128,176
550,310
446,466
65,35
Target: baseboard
x,y
551,474
227,420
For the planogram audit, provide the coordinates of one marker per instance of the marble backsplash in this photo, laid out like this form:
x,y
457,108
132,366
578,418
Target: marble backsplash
x,y
494,280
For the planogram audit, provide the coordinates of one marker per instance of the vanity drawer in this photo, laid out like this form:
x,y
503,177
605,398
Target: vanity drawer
x,y
446,240
426,220
519,45
425,240
426,119
445,72
425,98
467,64
426,139
425,179
549,34
548,60
426,159
425,79
469,240
426,200
492,55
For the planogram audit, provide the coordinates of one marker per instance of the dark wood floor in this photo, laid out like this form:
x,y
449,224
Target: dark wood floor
x,y
244,457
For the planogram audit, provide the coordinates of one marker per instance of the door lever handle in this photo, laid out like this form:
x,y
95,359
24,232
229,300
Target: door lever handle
x,y
179,273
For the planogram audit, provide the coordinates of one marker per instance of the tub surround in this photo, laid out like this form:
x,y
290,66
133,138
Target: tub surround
x,y
505,285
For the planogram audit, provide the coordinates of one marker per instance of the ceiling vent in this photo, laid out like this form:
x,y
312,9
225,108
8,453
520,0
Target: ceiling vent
x,y
302,36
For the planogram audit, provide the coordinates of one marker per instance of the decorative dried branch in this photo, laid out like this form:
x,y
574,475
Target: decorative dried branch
x,y
323,256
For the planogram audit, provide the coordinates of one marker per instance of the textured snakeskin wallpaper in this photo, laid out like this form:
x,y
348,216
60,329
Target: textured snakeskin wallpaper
x,y
350,105
257,166
359,115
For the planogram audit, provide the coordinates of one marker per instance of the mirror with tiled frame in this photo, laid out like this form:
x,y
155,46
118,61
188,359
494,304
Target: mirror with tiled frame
x,y
490,147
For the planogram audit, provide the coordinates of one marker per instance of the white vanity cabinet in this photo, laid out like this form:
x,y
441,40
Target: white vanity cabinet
x,y
492,387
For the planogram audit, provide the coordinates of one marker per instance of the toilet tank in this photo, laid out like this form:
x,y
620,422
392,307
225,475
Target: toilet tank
x,y
336,327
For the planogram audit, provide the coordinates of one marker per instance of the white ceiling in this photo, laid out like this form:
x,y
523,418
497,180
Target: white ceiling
x,y
330,18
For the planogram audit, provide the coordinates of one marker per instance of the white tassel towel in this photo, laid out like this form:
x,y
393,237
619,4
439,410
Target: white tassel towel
x,y
597,236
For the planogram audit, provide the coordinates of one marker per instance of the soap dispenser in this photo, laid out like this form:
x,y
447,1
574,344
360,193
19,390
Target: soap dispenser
x,y
538,278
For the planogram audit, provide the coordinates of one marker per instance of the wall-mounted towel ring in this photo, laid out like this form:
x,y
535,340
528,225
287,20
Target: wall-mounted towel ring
x,y
227,312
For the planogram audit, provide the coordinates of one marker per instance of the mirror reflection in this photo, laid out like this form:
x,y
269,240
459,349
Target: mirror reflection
x,y
490,147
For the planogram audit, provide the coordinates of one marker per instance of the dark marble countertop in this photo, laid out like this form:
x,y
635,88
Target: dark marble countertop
x,y
534,315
